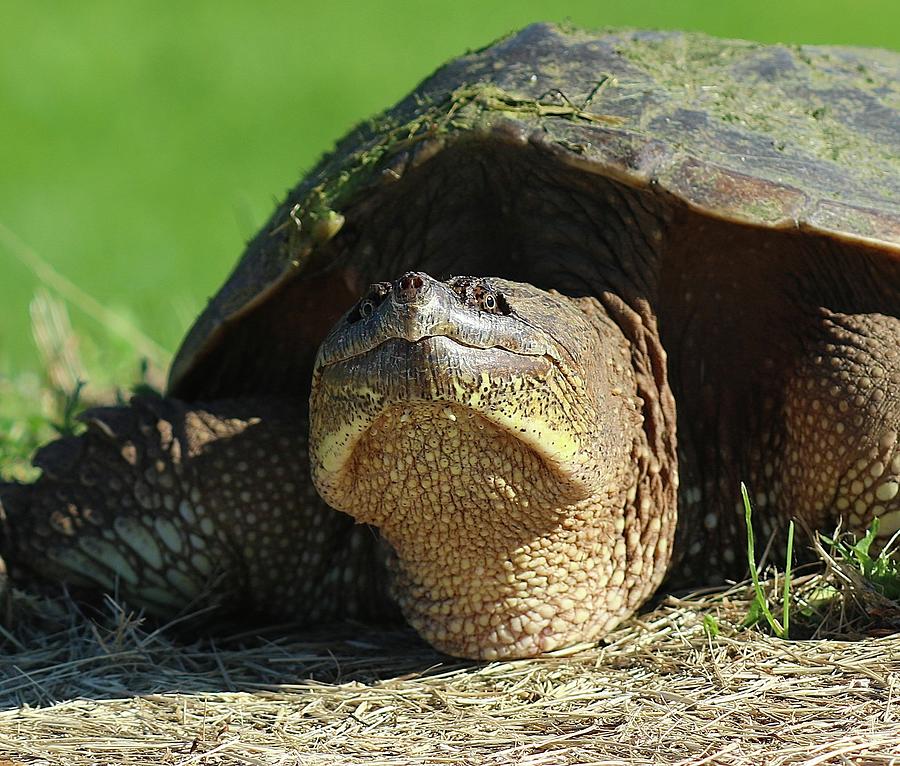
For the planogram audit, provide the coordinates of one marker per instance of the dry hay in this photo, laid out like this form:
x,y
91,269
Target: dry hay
x,y
661,689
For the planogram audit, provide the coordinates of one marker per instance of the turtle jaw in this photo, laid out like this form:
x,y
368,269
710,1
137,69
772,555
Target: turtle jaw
x,y
521,395
419,341
473,312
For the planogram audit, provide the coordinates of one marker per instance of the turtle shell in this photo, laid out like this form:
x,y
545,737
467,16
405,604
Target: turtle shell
x,y
798,139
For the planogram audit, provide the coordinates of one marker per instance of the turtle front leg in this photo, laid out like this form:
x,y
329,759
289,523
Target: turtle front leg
x,y
837,455
178,507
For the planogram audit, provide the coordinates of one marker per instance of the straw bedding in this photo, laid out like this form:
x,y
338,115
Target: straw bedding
x,y
682,683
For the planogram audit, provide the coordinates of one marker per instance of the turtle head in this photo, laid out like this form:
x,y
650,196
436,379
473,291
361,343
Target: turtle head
x,y
485,350
480,424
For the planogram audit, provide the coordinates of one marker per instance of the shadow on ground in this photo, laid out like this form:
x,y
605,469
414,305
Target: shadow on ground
x,y
57,649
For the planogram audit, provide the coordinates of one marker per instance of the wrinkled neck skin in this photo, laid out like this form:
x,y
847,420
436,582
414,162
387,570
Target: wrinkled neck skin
x,y
502,449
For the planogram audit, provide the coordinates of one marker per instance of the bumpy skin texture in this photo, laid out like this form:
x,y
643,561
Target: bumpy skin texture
x,y
179,508
839,448
669,218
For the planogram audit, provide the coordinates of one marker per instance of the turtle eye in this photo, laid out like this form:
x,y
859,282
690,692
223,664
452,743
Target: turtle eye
x,y
478,294
366,308
491,301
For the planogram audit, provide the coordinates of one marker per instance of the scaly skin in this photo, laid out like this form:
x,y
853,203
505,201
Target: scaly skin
x,y
178,508
836,443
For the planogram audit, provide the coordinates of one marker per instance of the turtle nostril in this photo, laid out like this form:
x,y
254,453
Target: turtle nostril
x,y
410,282
409,286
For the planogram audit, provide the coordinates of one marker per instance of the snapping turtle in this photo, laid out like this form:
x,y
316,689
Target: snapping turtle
x,y
682,270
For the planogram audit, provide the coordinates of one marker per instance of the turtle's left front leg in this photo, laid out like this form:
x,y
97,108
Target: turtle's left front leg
x,y
836,452
177,507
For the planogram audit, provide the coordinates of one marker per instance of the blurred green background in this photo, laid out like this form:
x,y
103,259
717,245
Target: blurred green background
x,y
141,143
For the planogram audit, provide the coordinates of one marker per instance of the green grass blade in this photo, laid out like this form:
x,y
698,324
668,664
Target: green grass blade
x,y
786,598
760,603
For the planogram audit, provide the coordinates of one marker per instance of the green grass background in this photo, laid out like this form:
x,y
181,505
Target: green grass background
x,y
141,143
